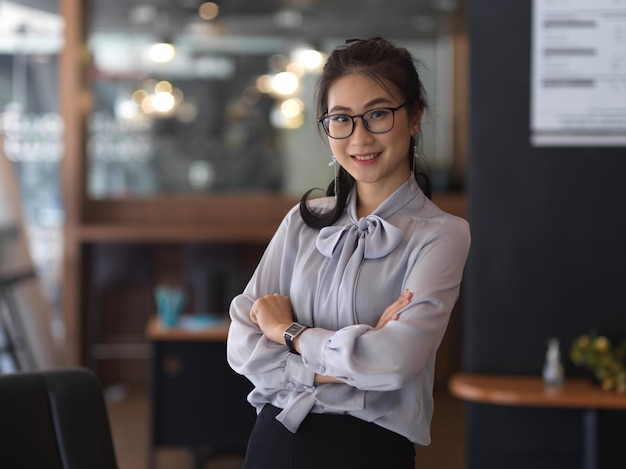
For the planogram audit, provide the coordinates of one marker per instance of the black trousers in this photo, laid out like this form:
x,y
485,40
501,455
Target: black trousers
x,y
325,441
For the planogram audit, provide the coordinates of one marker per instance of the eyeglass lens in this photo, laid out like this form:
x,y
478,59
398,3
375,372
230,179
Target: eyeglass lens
x,y
342,125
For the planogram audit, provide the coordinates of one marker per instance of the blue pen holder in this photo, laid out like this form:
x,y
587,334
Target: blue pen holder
x,y
170,302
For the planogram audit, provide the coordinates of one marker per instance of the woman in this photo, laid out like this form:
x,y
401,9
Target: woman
x,y
339,325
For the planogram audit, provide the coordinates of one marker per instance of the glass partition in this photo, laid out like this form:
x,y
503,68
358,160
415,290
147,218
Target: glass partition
x,y
211,98
31,134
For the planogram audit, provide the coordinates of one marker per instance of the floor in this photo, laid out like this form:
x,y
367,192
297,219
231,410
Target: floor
x,y
128,412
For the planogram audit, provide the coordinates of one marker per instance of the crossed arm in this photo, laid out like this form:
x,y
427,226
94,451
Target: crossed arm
x,y
273,314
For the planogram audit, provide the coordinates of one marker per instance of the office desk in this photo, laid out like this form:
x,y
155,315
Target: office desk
x,y
516,390
196,400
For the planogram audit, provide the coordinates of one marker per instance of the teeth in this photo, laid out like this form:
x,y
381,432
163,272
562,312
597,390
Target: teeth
x,y
366,157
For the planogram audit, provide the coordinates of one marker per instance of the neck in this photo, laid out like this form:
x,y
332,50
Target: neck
x,y
371,196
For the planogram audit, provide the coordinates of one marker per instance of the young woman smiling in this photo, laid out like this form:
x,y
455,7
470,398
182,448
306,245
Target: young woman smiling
x,y
339,326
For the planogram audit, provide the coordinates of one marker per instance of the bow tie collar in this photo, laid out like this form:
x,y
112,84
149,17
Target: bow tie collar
x,y
376,237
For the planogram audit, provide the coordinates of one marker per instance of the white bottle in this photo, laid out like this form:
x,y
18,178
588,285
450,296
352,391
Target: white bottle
x,y
553,373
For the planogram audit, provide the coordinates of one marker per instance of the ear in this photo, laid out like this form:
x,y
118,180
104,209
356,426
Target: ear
x,y
417,121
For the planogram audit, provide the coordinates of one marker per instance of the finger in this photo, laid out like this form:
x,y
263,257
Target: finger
x,y
400,303
406,297
253,310
396,306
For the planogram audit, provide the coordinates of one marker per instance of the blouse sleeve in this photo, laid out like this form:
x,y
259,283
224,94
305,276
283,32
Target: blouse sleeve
x,y
266,364
385,359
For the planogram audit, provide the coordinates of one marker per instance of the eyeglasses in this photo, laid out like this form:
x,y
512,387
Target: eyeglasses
x,y
376,121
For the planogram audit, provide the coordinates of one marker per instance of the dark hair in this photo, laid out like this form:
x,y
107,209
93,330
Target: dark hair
x,y
385,63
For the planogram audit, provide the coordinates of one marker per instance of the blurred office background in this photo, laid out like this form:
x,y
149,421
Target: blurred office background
x,y
162,142
230,111
137,130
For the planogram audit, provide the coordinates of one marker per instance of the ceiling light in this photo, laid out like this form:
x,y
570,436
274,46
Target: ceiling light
x,y
264,83
292,107
285,83
282,120
208,11
163,87
161,52
310,59
163,102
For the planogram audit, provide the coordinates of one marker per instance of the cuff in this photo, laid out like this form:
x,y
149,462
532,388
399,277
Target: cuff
x,y
297,376
313,343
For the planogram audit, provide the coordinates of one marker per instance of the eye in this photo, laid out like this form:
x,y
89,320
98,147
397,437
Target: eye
x,y
377,114
339,118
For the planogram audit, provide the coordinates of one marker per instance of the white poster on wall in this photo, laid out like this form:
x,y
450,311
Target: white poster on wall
x,y
578,73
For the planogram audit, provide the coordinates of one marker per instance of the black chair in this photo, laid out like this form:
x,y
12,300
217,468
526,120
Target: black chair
x,y
54,419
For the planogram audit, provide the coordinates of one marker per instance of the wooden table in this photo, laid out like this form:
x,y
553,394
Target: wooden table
x,y
523,390
156,331
196,400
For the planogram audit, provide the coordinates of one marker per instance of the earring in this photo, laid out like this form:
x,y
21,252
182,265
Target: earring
x,y
414,156
333,162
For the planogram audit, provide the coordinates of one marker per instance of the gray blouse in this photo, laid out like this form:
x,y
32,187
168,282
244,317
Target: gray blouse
x,y
340,279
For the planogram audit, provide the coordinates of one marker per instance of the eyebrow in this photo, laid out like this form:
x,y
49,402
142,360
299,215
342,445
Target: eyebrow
x,y
369,105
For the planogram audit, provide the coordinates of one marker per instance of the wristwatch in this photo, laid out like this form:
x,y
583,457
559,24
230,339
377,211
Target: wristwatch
x,y
290,335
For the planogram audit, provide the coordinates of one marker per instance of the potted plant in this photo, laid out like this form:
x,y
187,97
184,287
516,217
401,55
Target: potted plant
x,y
604,360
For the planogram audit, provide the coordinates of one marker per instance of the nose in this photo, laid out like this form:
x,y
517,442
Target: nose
x,y
360,132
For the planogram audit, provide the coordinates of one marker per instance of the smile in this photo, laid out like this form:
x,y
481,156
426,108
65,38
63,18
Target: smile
x,y
367,157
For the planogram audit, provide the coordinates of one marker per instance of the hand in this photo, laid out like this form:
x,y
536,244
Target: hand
x,y
322,379
273,314
391,312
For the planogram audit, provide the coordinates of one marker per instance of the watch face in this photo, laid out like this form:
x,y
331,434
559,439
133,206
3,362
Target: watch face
x,y
294,329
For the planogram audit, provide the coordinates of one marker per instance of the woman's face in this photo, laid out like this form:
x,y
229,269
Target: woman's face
x,y
379,161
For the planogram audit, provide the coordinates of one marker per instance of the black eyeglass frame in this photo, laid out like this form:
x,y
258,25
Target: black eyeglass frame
x,y
393,122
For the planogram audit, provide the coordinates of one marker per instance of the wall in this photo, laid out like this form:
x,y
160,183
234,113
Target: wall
x,y
548,255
